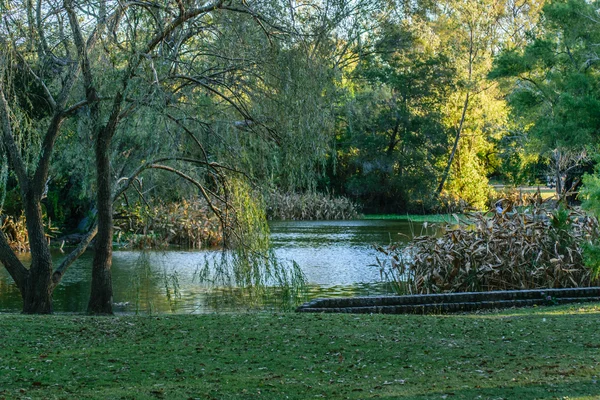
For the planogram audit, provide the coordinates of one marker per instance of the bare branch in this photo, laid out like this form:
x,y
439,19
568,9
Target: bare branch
x,y
14,155
150,165
90,90
47,93
77,106
41,172
60,271
200,187
45,51
205,85
12,264
180,20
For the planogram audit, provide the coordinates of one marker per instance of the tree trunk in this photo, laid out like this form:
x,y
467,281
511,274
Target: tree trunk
x,y
37,288
456,140
37,295
101,295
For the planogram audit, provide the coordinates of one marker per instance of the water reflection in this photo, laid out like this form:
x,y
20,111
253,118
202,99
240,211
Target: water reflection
x,y
337,258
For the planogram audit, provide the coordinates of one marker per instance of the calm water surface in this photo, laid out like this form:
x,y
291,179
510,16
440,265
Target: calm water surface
x,y
337,258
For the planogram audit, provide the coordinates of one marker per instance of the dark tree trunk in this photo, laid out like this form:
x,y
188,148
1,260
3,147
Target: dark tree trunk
x,y
38,287
454,147
37,296
101,296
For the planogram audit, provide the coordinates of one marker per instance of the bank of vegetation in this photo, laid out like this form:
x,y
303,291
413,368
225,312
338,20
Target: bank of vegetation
x,y
506,249
188,224
309,206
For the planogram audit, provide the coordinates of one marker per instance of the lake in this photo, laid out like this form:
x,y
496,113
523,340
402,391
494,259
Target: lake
x,y
337,258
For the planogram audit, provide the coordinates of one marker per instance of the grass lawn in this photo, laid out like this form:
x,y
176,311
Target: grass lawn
x,y
541,353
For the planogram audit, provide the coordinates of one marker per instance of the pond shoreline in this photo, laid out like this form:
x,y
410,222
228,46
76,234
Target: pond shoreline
x,y
451,302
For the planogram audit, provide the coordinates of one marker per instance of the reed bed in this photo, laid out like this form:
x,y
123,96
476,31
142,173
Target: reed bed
x,y
519,197
186,223
16,233
15,230
309,206
513,249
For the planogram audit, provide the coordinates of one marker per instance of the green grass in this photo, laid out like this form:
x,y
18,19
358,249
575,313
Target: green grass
x,y
435,218
541,353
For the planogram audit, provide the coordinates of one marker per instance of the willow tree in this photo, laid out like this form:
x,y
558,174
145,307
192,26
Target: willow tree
x,y
37,78
110,63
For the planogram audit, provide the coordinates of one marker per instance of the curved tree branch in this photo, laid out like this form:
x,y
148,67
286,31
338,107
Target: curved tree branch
x,y
200,187
15,268
59,272
8,140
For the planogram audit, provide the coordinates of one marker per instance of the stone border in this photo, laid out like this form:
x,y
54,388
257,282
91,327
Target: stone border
x,y
451,302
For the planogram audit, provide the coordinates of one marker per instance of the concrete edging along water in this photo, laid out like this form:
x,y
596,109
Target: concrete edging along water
x,y
451,302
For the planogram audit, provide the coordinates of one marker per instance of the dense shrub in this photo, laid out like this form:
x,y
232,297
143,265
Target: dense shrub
x,y
448,203
187,223
16,234
517,197
528,249
15,231
309,206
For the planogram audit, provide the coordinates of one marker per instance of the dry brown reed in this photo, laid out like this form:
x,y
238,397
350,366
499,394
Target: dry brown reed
x,y
15,230
309,206
16,233
518,197
509,250
186,223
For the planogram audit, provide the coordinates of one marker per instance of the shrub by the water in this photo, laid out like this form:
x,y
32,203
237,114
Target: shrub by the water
x,y
448,203
16,233
517,197
513,249
309,206
187,223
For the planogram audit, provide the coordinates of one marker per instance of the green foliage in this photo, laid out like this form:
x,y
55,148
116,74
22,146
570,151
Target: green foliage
x,y
518,165
421,84
590,193
557,94
392,136
247,221
469,182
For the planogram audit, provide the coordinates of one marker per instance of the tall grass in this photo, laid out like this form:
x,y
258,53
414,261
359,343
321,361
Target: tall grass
x,y
15,230
189,224
16,233
309,206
